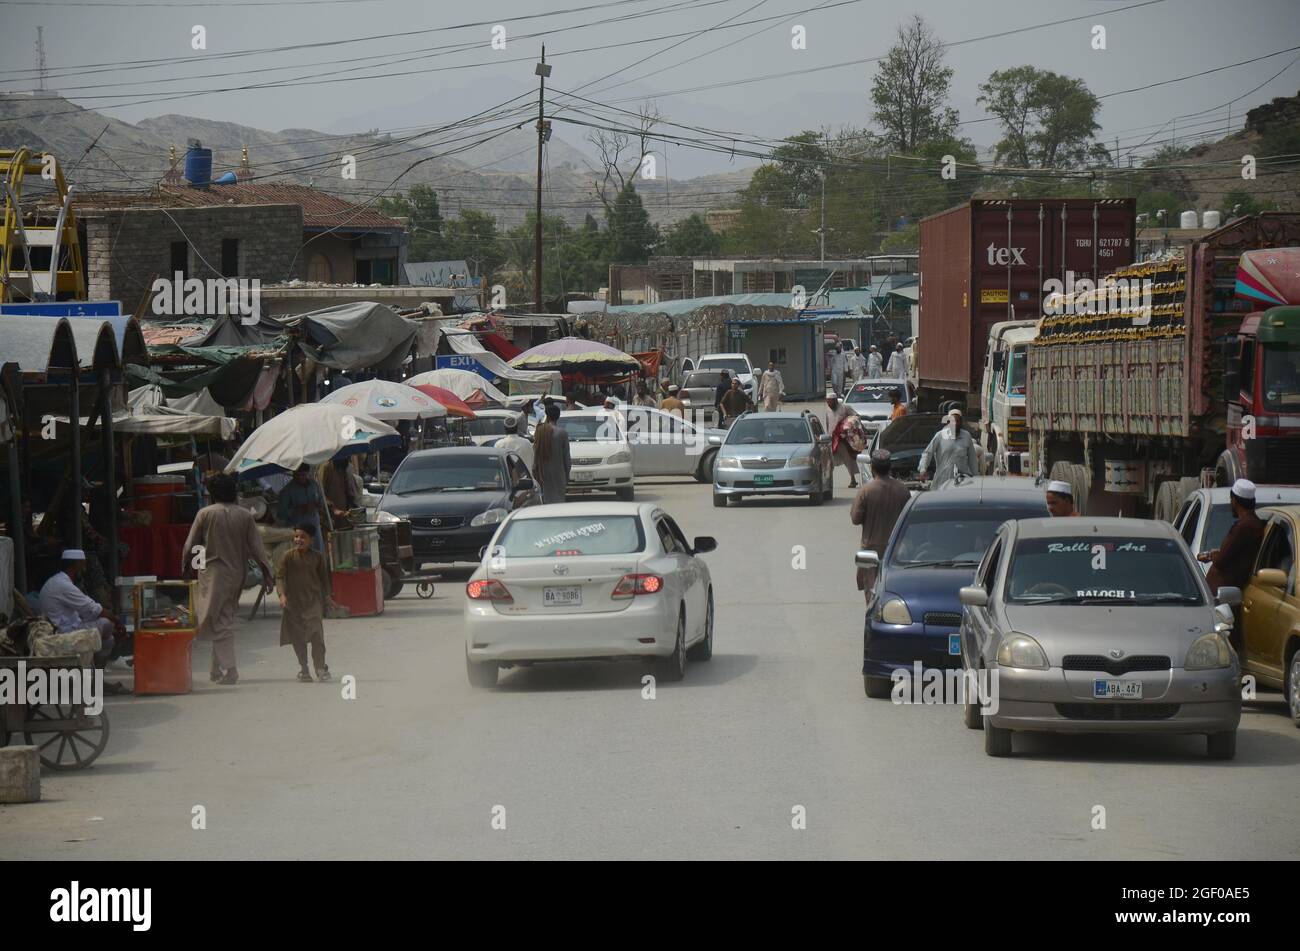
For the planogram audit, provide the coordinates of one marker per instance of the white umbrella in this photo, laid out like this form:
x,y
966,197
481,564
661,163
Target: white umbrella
x,y
384,400
310,433
461,382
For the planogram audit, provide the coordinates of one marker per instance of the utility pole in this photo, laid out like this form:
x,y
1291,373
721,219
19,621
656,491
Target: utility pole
x,y
40,58
821,232
542,72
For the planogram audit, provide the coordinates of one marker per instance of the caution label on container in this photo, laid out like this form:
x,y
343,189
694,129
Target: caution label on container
x,y
993,296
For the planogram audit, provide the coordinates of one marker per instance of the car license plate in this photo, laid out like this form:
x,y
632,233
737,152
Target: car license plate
x,y
562,597
582,476
954,644
762,480
1125,689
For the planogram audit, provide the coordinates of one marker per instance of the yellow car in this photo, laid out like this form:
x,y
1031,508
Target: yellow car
x,y
1270,608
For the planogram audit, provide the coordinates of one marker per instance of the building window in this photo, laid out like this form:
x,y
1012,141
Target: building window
x,y
230,257
319,270
180,258
776,355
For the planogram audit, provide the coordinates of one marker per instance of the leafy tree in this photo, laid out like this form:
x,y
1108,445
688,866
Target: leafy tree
x,y
420,206
473,237
910,89
1243,202
691,237
1048,120
631,235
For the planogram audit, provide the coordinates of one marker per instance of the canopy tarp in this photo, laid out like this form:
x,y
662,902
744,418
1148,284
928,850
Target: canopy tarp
x,y
533,381
359,336
463,383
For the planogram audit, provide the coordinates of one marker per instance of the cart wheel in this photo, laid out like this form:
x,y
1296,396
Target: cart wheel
x,y
424,589
392,585
67,749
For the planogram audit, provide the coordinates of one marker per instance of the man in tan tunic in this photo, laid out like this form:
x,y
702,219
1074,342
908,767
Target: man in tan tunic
x,y
876,508
226,534
303,580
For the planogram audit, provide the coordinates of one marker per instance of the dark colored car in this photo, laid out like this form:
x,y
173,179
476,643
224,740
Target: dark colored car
x,y
940,538
455,497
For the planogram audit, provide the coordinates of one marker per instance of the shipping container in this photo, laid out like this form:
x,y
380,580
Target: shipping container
x,y
1133,408
988,261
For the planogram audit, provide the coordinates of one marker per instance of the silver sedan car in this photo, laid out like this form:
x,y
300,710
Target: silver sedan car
x,y
773,454
1099,625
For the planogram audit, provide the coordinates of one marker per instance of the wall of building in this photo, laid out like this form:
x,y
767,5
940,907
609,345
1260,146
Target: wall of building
x,y
126,249
800,367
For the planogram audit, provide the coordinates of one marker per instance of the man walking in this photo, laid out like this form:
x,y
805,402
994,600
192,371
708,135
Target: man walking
x,y
771,389
672,404
859,364
842,452
953,452
874,363
734,402
551,450
303,580
226,535
1060,500
839,363
876,508
897,368
1232,562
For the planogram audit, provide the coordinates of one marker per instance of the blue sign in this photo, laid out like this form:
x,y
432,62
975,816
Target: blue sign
x,y
64,308
463,361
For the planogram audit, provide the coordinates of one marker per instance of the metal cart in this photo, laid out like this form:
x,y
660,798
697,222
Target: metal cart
x,y
75,739
397,559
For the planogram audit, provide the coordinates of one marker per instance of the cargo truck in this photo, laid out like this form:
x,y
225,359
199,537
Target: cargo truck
x,y
988,261
1003,428
1138,404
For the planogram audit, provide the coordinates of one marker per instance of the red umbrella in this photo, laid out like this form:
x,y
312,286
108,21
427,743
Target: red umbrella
x,y
455,405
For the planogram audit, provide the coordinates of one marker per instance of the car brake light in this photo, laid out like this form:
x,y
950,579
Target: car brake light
x,y
631,585
487,590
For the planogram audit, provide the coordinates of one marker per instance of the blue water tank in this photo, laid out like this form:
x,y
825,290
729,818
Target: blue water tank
x,y
198,167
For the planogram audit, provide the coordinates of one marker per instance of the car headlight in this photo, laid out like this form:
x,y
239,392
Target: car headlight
x,y
894,611
728,462
386,518
1208,652
1021,650
490,517
801,459
621,456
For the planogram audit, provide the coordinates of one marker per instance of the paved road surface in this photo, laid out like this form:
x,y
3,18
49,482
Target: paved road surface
x,y
586,768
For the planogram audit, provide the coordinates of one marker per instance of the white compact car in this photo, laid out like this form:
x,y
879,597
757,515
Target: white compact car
x,y
589,581
599,453
490,424
737,363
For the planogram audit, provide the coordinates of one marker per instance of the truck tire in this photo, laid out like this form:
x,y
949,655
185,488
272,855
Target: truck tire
x,y
1226,469
1167,503
1077,475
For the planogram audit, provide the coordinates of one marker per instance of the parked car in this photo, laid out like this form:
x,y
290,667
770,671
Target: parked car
x,y
665,444
773,454
600,454
589,581
698,392
1100,625
1270,610
737,363
870,399
1206,514
937,543
455,498
906,439
489,424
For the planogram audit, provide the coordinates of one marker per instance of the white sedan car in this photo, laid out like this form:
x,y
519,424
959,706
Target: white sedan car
x,y
599,453
589,581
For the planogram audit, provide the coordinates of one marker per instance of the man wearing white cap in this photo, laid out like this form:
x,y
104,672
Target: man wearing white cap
x,y
874,363
1232,561
953,452
70,609
1060,499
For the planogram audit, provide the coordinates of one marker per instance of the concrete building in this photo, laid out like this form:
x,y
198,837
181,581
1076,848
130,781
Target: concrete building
x,y
676,278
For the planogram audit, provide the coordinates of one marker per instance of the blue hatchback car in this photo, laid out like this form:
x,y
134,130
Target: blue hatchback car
x,y
935,548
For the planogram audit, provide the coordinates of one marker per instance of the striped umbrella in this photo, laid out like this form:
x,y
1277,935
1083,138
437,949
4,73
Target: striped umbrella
x,y
455,405
576,355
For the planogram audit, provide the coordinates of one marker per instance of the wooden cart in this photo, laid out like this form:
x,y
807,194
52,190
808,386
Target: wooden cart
x,y
64,734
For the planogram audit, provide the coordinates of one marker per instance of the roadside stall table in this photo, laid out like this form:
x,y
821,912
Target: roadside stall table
x,y
165,627
355,571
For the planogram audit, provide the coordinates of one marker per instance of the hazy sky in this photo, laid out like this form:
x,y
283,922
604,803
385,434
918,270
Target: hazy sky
x,y
1160,41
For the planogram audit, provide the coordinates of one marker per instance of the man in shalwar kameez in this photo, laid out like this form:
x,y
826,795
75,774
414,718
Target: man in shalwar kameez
x,y
303,579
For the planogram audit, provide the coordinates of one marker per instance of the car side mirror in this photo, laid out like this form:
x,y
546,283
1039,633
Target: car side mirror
x,y
1226,619
704,543
524,485
1232,596
867,559
824,439
973,597
375,488
1270,577
715,440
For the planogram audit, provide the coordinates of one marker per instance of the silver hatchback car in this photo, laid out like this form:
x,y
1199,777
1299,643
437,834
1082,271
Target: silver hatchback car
x,y
773,454
1099,625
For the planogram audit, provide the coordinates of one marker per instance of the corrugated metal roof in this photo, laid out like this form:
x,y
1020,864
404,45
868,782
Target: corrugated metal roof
x,y
37,343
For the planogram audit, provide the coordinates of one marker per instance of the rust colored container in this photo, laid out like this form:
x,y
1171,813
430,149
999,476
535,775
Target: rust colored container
x,y
988,260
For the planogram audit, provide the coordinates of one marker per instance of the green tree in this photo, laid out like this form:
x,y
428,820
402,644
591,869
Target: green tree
x,y
473,237
420,206
910,89
1240,203
1047,120
631,235
691,237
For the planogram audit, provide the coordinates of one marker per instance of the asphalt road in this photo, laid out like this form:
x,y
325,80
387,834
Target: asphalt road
x,y
582,766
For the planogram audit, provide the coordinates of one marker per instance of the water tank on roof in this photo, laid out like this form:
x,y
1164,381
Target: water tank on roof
x,y
1188,219
1211,220
198,166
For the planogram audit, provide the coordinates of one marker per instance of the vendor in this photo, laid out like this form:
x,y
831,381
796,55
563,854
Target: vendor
x,y
340,489
69,609
301,503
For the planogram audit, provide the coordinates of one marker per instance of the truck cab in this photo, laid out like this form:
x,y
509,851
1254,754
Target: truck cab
x,y
1003,431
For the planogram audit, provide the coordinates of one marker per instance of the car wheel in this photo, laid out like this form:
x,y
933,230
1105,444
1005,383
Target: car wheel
x,y
971,716
392,585
1292,687
877,688
719,501
481,675
626,495
704,649
997,740
1221,745
704,473
673,667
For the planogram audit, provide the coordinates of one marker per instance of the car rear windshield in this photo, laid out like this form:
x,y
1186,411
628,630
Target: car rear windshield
x,y
734,364
447,473
753,432
699,380
571,535
1096,569
591,428
942,537
487,426
874,393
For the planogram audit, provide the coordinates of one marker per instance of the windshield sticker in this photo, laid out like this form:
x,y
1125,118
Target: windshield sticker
x,y
1105,594
1063,548
584,531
